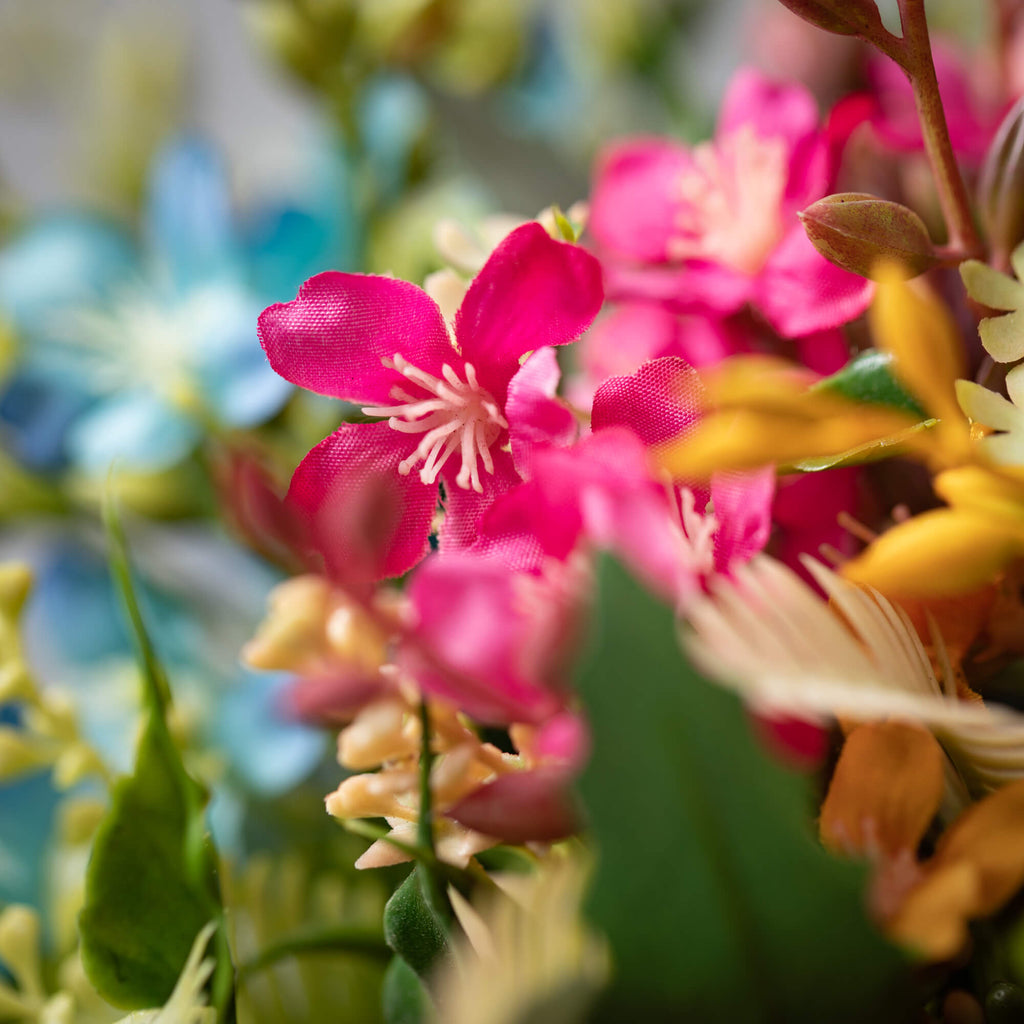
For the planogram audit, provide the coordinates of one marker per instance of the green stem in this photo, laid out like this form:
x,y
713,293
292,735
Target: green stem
x,y
362,941
433,884
920,68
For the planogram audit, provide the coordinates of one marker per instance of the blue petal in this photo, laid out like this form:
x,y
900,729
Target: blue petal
x,y
269,753
26,821
137,429
393,115
59,262
243,388
189,214
74,608
35,414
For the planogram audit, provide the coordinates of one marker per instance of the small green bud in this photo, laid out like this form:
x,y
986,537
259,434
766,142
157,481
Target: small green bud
x,y
1001,185
855,231
412,929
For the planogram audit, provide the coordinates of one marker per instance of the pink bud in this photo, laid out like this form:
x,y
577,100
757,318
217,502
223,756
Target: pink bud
x,y
855,231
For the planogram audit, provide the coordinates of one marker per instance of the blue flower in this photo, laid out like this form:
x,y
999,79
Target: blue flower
x,y
133,348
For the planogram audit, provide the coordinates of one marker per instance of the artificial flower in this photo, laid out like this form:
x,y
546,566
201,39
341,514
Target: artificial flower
x,y
385,344
715,227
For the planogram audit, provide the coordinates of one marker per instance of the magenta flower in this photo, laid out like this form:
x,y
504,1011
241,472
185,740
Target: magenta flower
x,y
446,405
714,227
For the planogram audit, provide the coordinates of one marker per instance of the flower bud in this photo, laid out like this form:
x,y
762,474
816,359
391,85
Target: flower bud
x,y
844,17
856,231
1001,185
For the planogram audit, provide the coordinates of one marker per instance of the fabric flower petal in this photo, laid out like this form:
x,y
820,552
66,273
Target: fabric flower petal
x,y
534,413
361,519
464,507
632,204
800,292
531,293
334,336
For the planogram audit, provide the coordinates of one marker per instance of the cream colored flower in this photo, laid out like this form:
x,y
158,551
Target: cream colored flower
x,y
1002,336
768,635
525,947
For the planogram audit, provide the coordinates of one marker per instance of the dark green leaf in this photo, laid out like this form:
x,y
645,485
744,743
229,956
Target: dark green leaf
x,y
151,884
411,928
403,997
717,900
868,378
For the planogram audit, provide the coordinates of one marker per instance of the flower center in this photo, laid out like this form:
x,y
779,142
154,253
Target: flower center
x,y
452,414
731,198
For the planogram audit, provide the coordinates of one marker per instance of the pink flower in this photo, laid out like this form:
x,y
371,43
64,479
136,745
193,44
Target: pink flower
x,y
714,227
447,406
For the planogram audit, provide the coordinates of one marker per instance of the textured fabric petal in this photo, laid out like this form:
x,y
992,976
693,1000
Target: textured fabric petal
x,y
361,519
532,292
534,414
521,807
135,429
800,292
632,202
333,337
463,507
743,509
484,636
658,402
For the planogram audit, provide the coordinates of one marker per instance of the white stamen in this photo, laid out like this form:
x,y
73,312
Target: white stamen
x,y
454,414
732,196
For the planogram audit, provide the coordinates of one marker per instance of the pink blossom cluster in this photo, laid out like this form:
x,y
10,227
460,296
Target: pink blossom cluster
x,y
488,481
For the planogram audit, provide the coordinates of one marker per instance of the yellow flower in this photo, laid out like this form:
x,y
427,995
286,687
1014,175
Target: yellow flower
x,y
886,789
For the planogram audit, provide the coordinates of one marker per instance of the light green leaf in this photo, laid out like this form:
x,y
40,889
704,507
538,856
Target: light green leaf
x,y
717,899
151,884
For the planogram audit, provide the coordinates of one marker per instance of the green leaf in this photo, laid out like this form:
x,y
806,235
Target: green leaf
x,y
403,997
868,378
151,883
882,448
411,928
716,898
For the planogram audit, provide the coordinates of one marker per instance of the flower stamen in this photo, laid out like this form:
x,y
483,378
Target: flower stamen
x,y
455,414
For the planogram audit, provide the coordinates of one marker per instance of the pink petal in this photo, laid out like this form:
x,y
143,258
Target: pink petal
x,y
521,807
363,520
824,352
781,110
743,509
535,416
329,700
800,292
563,738
532,292
483,638
795,741
657,403
695,288
633,202
333,337
463,508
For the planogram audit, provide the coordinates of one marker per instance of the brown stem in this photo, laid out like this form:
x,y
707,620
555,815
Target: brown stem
x,y
956,207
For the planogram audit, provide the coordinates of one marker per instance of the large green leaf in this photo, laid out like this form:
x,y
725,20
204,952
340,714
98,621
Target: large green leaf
x,y
717,900
151,884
